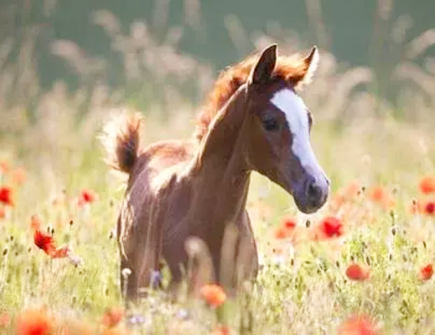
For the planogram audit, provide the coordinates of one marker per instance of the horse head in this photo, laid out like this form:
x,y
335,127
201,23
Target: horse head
x,y
278,130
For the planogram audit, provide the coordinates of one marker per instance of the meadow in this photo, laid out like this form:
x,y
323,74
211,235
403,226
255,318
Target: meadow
x,y
363,264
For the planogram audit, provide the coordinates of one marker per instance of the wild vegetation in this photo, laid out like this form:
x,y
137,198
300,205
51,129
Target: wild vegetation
x,y
363,264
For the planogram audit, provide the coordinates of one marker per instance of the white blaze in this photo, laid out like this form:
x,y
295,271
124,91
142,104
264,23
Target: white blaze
x,y
296,115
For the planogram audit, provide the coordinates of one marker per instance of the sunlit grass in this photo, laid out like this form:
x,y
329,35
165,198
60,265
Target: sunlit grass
x,y
302,286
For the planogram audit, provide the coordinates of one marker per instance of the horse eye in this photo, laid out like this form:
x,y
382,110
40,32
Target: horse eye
x,y
270,124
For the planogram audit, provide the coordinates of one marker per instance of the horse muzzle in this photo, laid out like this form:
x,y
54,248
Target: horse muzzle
x,y
311,194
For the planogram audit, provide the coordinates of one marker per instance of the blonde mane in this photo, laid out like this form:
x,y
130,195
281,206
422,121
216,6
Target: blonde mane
x,y
289,68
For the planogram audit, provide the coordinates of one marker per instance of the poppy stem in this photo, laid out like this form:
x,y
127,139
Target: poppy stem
x,y
220,315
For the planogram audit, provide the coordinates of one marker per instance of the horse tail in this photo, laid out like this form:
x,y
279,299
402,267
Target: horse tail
x,y
120,138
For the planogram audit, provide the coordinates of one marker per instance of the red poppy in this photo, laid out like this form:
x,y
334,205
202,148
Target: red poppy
x,y
357,325
280,233
112,316
34,322
426,272
213,294
44,242
221,330
429,208
86,197
423,207
427,184
357,272
6,196
285,229
289,223
379,195
331,226
60,252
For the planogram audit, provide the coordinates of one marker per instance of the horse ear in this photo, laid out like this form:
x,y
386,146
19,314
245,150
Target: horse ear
x,y
311,62
263,69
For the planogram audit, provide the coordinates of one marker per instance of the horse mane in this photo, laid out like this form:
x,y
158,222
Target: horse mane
x,y
291,69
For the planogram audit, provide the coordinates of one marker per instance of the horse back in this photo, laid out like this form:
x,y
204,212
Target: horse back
x,y
159,157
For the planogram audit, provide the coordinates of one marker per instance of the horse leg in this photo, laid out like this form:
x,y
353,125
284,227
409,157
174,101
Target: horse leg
x,y
139,250
128,279
247,255
139,269
149,275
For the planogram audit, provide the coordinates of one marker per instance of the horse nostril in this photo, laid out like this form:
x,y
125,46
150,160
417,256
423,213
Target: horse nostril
x,y
313,191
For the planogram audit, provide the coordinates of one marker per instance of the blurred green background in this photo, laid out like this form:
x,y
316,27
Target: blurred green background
x,y
162,56
216,32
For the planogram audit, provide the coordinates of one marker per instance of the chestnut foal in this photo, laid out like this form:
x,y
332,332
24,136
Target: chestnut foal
x,y
253,121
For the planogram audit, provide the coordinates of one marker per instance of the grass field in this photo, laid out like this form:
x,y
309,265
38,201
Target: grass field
x,y
376,170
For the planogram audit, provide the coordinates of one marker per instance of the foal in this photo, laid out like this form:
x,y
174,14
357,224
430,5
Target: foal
x,y
253,121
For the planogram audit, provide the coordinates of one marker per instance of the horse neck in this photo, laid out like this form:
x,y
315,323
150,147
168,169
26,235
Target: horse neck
x,y
220,168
